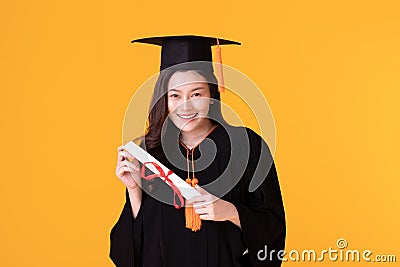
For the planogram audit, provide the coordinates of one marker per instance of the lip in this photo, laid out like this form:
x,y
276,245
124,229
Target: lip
x,y
190,116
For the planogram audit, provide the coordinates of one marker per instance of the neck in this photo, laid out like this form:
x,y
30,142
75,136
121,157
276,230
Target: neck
x,y
190,139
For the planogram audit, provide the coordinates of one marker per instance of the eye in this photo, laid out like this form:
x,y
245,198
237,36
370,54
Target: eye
x,y
196,94
174,96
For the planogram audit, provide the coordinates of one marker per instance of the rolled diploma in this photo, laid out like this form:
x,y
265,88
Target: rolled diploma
x,y
186,190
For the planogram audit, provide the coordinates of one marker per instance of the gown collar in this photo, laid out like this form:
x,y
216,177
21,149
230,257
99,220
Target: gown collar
x,y
207,135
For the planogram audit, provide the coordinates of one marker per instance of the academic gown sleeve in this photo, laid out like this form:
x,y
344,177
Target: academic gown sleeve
x,y
125,236
261,212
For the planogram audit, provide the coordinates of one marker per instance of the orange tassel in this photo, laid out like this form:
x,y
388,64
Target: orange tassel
x,y
193,220
220,74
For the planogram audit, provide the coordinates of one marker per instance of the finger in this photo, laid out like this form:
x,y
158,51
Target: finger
x,y
120,149
196,199
125,154
201,190
206,217
136,163
201,210
122,170
202,204
131,179
129,164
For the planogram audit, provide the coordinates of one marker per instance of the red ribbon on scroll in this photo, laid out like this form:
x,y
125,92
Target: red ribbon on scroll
x,y
162,174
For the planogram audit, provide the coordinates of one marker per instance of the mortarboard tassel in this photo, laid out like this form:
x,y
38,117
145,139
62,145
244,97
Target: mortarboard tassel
x,y
220,74
193,220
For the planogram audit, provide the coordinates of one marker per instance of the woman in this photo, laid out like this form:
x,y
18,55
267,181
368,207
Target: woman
x,y
187,133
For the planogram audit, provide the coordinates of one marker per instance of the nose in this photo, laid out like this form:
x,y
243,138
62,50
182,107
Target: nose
x,y
187,104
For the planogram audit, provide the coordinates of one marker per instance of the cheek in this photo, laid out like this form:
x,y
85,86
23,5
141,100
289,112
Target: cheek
x,y
171,106
203,105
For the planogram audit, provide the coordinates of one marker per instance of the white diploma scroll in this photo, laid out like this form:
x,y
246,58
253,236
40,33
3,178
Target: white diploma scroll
x,y
186,190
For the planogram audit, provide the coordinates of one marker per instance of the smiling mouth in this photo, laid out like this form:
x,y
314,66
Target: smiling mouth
x,y
187,116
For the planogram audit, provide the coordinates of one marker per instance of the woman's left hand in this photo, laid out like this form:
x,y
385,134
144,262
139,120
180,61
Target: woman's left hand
x,y
213,208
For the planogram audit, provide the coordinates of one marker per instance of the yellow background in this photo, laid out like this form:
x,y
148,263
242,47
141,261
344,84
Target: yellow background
x,y
329,69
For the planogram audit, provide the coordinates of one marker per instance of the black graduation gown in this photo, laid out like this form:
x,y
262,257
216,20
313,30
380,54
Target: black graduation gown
x,y
158,237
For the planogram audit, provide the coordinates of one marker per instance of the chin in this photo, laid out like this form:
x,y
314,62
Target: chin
x,y
188,127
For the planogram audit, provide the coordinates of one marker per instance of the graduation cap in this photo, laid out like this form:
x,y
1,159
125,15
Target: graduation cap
x,y
176,50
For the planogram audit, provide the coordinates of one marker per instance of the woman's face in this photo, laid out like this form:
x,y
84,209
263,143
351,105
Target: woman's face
x,y
188,100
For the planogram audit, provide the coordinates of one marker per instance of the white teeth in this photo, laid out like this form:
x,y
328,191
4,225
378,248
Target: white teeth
x,y
187,117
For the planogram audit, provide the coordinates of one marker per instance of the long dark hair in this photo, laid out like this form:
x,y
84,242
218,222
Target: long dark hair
x,y
158,111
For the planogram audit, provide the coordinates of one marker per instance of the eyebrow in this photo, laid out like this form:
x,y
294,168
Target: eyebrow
x,y
191,90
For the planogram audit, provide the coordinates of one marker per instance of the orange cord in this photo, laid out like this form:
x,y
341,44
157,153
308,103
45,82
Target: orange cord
x,y
193,220
220,74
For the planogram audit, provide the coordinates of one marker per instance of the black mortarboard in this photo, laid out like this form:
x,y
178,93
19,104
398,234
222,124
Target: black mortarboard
x,y
184,48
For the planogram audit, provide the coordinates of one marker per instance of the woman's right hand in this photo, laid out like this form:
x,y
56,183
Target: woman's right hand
x,y
128,172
